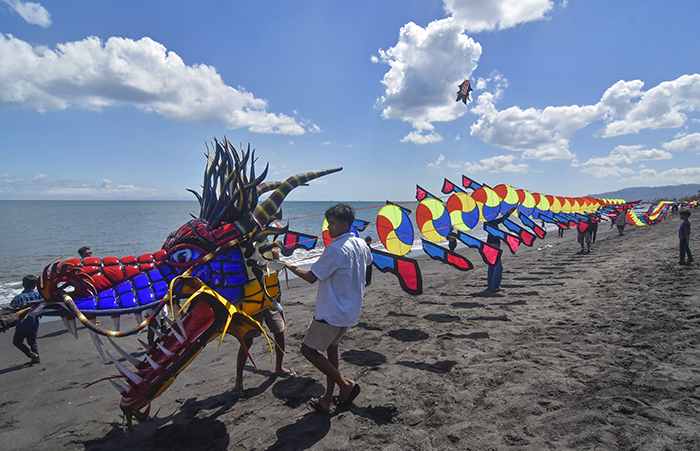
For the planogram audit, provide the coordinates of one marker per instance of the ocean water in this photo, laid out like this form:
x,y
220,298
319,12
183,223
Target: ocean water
x,y
35,233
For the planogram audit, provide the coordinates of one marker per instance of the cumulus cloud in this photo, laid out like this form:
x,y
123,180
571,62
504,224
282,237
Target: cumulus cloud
x,y
662,106
614,164
628,155
671,176
488,15
418,137
539,134
33,13
94,74
544,134
684,143
500,163
426,64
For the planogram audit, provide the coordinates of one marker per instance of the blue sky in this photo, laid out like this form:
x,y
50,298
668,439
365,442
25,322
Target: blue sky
x,y
117,100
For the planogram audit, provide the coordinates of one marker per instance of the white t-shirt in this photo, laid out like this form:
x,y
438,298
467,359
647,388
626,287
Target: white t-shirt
x,y
341,272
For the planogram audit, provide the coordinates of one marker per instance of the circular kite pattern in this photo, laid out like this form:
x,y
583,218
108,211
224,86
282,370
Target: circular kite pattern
x,y
327,235
463,211
508,195
489,203
433,220
555,203
543,205
527,203
395,229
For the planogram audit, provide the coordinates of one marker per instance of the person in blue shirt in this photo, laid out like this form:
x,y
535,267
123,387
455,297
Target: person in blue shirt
x,y
27,328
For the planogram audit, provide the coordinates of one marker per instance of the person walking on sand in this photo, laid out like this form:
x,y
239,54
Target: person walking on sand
x,y
495,272
620,221
29,326
277,325
684,238
341,272
584,234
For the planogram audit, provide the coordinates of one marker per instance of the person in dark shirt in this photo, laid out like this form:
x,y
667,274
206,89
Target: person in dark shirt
x,y
27,328
495,272
368,273
684,238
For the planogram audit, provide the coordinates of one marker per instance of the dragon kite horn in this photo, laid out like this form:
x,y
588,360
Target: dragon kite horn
x,y
262,214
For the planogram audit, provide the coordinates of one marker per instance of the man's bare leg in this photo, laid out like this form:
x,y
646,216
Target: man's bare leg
x,y
333,376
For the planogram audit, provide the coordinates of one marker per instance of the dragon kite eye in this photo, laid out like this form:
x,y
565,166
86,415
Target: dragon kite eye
x,y
184,255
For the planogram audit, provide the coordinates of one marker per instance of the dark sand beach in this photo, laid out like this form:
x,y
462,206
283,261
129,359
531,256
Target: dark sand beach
x,y
582,351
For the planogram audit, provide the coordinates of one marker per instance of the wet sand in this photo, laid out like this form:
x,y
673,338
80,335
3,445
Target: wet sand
x,y
581,351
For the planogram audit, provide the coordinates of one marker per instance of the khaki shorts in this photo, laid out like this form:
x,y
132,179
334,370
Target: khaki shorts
x,y
320,335
273,320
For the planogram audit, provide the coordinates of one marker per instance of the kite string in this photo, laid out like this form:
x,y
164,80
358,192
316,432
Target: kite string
x,y
359,208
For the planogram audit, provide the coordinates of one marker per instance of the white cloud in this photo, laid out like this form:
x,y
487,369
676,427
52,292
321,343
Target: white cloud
x,y
500,163
539,134
544,134
602,172
33,13
438,162
420,138
671,176
684,143
94,74
427,65
42,187
488,15
628,155
662,106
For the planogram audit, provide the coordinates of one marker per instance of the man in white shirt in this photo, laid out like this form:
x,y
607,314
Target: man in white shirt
x,y
341,272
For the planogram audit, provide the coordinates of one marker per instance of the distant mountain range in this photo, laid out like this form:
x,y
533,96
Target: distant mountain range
x,y
648,194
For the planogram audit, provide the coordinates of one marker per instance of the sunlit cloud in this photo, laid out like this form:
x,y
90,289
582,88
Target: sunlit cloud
x,y
499,163
545,134
672,176
629,155
426,64
683,143
93,74
489,15
663,106
33,13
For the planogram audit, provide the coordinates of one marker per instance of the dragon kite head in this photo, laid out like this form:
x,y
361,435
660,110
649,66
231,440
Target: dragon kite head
x,y
207,266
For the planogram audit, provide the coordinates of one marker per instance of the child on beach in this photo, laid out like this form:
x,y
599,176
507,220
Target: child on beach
x,y
277,325
684,238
